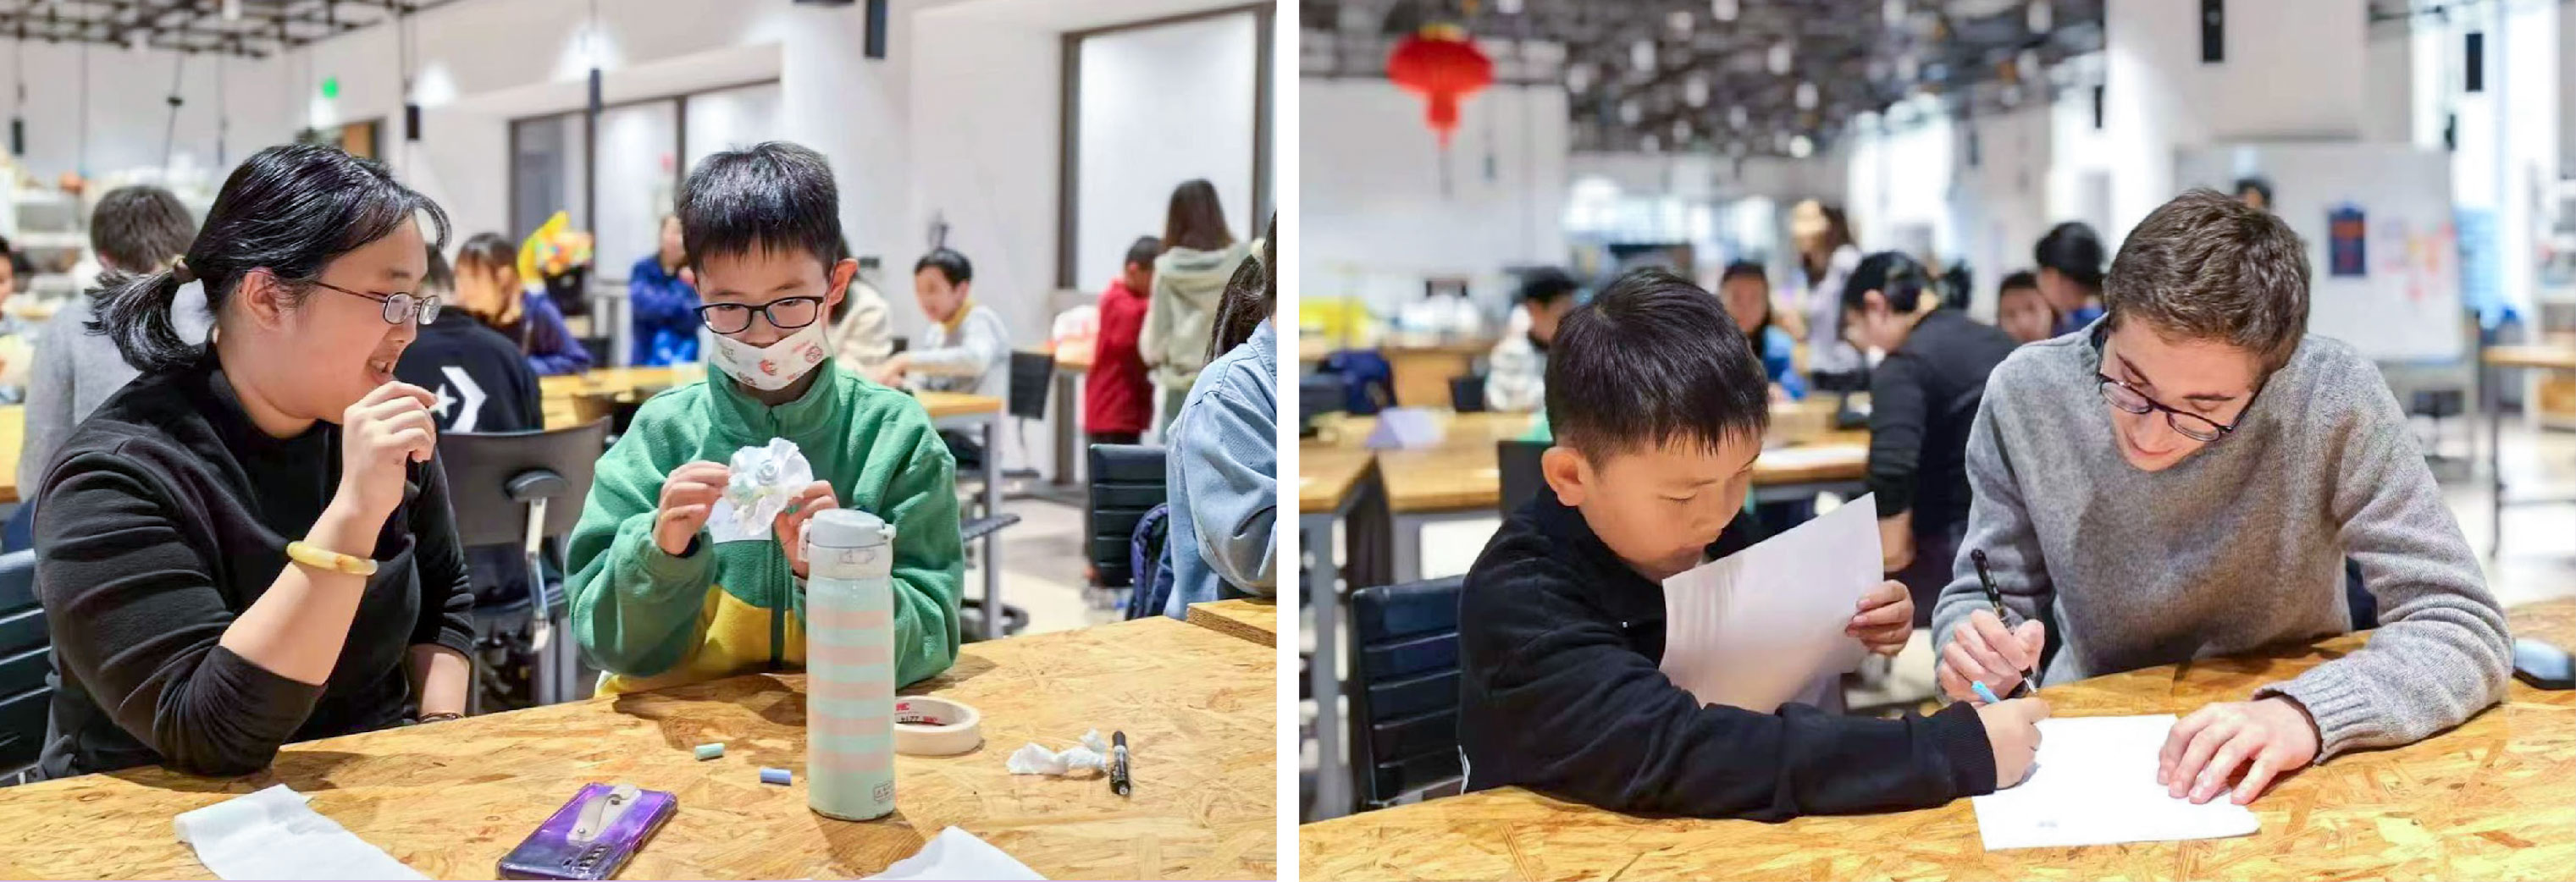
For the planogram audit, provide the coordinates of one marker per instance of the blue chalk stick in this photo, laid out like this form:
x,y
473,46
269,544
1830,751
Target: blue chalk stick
x,y
1984,693
776,776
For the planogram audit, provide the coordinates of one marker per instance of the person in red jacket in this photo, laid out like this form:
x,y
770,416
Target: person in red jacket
x,y
1117,397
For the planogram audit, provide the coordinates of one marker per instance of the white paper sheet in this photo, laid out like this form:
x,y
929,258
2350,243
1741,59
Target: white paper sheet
x,y
2095,784
272,834
1764,625
957,854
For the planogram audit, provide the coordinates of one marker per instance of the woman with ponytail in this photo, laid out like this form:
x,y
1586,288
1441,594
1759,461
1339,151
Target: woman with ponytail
x,y
250,544
1223,471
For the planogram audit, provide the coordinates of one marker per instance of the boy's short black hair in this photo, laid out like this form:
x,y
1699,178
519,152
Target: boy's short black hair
x,y
951,265
137,229
2260,187
2020,279
1142,253
1893,275
774,197
2073,249
1743,269
1544,285
1653,359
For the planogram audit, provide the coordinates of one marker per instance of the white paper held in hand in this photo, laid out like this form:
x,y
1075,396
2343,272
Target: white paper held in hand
x,y
272,834
957,854
2094,783
1764,626
763,479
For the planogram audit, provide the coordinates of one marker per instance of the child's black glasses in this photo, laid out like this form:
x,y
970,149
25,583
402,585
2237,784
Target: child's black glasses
x,y
399,306
785,313
2191,425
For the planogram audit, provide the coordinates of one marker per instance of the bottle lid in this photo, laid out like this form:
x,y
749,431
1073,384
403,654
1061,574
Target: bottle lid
x,y
847,528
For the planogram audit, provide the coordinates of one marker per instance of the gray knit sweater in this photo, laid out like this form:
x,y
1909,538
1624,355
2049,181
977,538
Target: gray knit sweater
x,y
2238,546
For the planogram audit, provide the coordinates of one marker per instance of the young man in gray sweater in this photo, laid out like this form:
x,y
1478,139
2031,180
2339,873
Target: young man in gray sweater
x,y
2185,479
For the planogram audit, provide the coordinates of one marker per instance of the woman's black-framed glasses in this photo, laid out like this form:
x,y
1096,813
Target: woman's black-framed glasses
x,y
400,306
2191,425
785,314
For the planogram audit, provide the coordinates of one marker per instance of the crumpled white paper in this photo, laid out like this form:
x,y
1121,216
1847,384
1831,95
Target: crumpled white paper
x,y
272,834
763,480
957,854
1034,759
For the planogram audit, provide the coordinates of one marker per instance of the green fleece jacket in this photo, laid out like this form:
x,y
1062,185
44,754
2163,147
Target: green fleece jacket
x,y
651,619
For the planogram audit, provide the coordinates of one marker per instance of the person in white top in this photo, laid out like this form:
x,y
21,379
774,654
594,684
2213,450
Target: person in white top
x,y
1516,371
966,349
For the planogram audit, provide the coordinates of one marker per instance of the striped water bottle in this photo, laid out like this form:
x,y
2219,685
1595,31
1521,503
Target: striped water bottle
x,y
849,664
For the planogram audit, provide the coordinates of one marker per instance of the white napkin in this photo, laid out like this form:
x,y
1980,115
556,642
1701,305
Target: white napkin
x,y
957,854
763,480
272,834
1033,759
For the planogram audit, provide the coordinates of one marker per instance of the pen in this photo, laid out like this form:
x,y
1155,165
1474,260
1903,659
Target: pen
x,y
1118,763
1996,596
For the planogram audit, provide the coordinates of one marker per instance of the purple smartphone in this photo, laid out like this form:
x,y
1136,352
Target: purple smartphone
x,y
592,836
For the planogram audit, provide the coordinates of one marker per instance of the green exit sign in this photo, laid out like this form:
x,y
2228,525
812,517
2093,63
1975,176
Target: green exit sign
x,y
331,87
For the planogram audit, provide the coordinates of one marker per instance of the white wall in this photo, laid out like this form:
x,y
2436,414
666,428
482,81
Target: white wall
x,y
987,117
128,112
1373,216
1160,106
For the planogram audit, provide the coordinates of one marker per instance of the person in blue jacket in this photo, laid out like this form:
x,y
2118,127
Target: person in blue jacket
x,y
488,285
1223,467
664,303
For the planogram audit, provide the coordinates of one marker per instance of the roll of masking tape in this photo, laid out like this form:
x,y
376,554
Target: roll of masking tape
x,y
926,726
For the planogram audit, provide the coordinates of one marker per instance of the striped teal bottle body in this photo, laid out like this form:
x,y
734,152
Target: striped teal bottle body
x,y
849,666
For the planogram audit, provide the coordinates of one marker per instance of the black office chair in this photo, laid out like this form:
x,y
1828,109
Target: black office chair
x,y
603,351
1404,692
524,489
26,692
1126,481
1518,463
1032,376
1467,393
1317,395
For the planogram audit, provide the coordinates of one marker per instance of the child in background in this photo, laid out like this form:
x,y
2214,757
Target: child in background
x,y
966,348
1223,473
1199,257
2070,274
655,600
664,302
1516,372
139,230
1117,397
1747,292
488,286
1658,407
17,349
2022,311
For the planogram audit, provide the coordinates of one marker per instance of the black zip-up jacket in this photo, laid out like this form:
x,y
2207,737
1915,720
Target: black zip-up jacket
x,y
1559,692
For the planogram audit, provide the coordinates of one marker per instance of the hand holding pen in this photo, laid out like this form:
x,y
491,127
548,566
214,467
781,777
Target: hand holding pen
x,y
1986,660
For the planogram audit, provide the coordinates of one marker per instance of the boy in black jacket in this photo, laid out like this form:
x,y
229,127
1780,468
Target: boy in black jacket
x,y
1658,407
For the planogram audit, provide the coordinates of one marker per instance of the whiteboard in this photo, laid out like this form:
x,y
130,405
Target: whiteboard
x,y
2405,306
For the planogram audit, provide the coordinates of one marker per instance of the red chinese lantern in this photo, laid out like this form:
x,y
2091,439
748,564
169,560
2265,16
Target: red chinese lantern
x,y
1445,67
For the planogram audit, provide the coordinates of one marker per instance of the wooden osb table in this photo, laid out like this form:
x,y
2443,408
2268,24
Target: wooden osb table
x,y
450,799
1255,619
2493,799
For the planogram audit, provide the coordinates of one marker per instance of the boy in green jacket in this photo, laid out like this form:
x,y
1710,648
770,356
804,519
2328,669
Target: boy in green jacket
x,y
656,601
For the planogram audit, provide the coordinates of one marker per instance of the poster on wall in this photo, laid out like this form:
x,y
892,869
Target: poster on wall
x,y
2346,233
